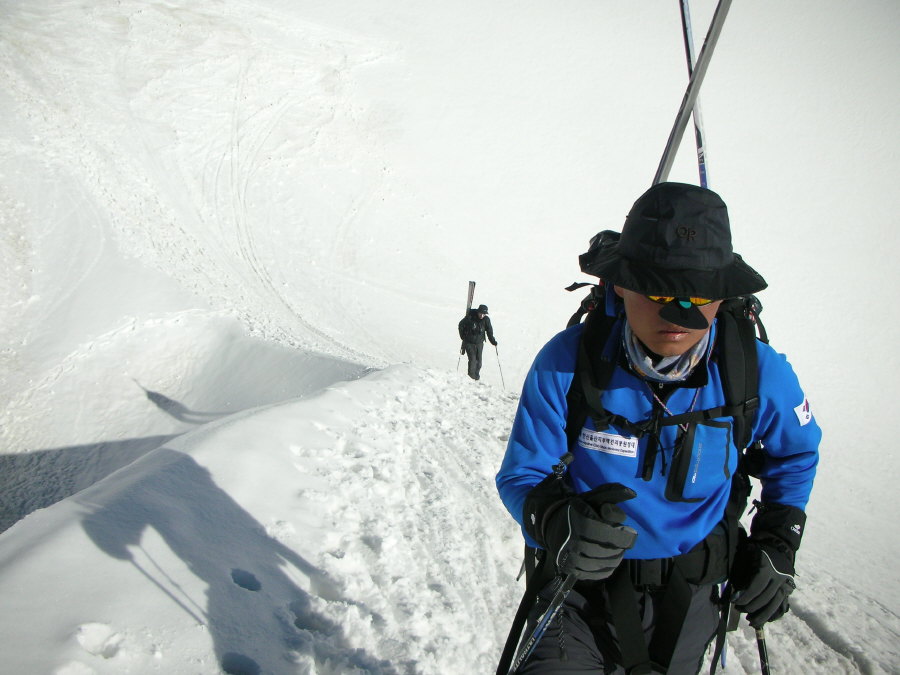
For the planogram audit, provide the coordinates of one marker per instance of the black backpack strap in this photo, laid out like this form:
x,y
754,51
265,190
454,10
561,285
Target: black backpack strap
x,y
537,574
634,655
671,613
739,324
595,376
738,364
594,367
592,301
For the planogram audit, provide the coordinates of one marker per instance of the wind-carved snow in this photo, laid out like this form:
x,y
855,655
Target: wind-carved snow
x,y
380,554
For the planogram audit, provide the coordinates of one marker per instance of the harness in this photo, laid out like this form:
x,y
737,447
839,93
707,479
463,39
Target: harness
x,y
710,560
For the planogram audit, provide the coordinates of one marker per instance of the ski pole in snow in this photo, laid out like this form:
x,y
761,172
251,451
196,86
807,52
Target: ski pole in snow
x,y
693,90
688,35
763,652
498,366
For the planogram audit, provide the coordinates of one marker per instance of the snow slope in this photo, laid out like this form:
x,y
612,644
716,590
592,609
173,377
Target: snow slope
x,y
221,218
323,535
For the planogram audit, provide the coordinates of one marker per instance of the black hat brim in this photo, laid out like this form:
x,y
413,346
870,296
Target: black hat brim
x,y
604,261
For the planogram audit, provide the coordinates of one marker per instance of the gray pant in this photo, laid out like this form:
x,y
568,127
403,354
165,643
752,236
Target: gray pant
x,y
581,639
473,352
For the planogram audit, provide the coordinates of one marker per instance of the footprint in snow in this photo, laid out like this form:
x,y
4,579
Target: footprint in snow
x,y
238,664
245,579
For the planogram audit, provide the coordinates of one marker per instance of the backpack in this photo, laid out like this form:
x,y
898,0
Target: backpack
x,y
738,328
471,328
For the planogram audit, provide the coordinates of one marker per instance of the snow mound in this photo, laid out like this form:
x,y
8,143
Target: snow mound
x,y
387,552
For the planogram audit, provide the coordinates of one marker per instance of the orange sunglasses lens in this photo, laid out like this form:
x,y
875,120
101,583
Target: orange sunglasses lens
x,y
666,299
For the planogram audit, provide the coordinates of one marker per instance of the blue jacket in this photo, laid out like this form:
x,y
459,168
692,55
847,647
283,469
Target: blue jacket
x,y
665,528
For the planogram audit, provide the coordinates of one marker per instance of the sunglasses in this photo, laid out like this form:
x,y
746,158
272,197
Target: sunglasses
x,y
684,302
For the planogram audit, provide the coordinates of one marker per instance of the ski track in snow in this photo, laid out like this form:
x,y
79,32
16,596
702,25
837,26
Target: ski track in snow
x,y
208,241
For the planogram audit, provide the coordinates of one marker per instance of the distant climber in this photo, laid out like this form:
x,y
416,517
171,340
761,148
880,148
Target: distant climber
x,y
472,330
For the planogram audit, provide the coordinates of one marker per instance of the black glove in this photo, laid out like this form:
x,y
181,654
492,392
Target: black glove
x,y
582,533
765,597
494,342
764,571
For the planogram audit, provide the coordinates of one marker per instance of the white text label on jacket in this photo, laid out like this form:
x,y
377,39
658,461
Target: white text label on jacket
x,y
609,443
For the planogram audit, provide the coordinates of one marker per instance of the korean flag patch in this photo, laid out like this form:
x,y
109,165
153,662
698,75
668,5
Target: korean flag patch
x,y
804,416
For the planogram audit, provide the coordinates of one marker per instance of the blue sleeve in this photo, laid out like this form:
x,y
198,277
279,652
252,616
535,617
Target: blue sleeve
x,y
538,436
788,431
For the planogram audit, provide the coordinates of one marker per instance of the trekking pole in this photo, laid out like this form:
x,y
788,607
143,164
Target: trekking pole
x,y
522,640
543,623
498,366
763,652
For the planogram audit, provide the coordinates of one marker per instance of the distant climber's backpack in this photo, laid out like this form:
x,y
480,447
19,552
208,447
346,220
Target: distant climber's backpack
x,y
471,328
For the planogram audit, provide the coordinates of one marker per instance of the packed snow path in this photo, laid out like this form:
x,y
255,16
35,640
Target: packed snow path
x,y
354,531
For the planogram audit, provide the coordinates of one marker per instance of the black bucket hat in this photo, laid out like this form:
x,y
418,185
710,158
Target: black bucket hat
x,y
676,241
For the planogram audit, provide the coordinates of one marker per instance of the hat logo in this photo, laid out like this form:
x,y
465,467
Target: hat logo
x,y
685,232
